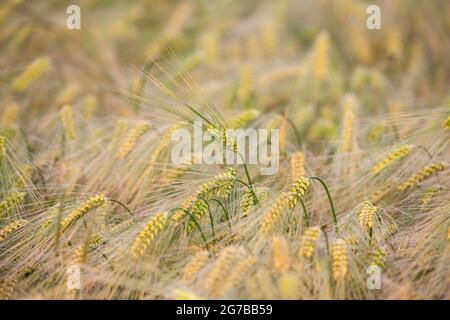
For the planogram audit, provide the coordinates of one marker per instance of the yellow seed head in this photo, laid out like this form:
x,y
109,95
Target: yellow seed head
x,y
11,202
447,123
67,95
366,215
308,242
144,239
288,285
194,266
236,275
89,105
246,82
10,228
280,254
220,186
243,119
396,155
221,268
272,216
9,116
2,147
132,137
298,165
320,56
179,294
297,191
68,121
119,131
92,203
36,69
339,259
421,175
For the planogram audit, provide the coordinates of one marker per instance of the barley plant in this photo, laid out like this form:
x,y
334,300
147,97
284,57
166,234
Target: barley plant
x,y
89,183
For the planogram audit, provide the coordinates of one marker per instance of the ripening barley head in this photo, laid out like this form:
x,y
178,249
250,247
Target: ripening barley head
x,y
366,215
142,242
308,242
2,147
131,139
219,186
11,228
447,123
396,155
274,213
11,202
87,206
236,275
298,190
298,165
68,121
320,56
194,265
339,259
221,268
280,254
33,71
421,175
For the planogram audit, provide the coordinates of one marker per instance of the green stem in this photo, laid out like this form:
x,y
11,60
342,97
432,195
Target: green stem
x,y
123,206
307,220
225,211
255,199
330,200
196,224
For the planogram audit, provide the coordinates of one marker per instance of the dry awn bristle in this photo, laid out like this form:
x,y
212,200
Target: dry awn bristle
x,y
366,215
37,68
396,155
339,259
68,121
12,201
308,242
133,136
421,176
272,216
10,228
298,165
194,266
298,190
280,254
92,203
143,240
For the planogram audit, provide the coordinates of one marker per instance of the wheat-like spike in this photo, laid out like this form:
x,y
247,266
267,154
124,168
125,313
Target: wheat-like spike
x,y
68,121
247,202
350,239
308,242
194,265
9,116
163,142
90,103
101,238
221,135
421,175
428,196
280,254
339,259
266,285
366,215
348,123
120,129
132,137
10,228
219,186
298,190
179,215
320,56
243,119
67,95
90,204
298,165
23,177
221,268
180,294
269,38
142,242
199,210
272,216
79,255
289,284
36,69
246,82
12,201
396,155
236,275
379,258
2,147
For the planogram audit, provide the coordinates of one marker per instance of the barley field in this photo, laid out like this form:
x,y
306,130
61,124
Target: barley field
x,y
92,205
